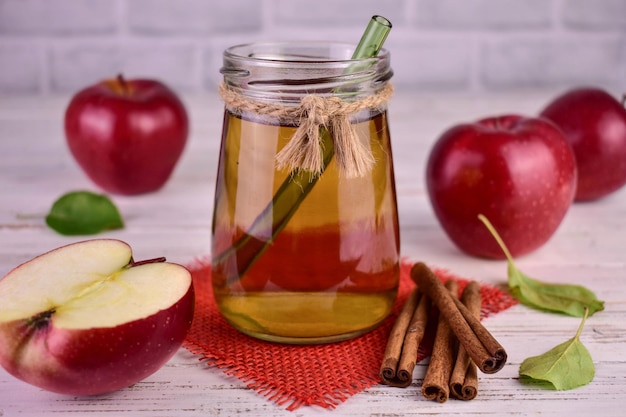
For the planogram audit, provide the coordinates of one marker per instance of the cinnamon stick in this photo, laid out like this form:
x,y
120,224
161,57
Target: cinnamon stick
x,y
414,335
464,378
393,350
481,346
436,381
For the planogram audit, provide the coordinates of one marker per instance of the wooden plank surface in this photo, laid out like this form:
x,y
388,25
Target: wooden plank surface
x,y
588,248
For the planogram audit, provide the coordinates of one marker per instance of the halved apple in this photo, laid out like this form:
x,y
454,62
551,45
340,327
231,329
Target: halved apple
x,y
87,319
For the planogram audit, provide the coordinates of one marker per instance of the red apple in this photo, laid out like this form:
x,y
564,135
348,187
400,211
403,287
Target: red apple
x,y
86,319
519,172
594,123
127,135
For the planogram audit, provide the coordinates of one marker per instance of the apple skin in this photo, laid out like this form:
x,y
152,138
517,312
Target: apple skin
x,y
594,123
97,360
127,135
517,171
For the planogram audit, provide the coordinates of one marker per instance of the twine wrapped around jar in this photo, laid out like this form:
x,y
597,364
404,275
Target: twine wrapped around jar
x,y
304,150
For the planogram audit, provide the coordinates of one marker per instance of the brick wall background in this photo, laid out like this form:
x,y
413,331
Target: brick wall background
x,y
59,46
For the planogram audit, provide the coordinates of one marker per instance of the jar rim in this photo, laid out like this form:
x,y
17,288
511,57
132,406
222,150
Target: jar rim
x,y
284,52
289,70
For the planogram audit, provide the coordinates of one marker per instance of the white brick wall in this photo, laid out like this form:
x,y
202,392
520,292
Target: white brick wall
x,y
59,46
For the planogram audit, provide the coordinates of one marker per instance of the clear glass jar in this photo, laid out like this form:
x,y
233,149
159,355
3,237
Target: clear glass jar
x,y
299,257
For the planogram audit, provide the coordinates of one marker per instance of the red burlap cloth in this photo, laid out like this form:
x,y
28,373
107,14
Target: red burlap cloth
x,y
293,375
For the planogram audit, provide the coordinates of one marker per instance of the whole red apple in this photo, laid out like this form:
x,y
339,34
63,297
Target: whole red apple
x,y
127,135
87,319
519,172
594,123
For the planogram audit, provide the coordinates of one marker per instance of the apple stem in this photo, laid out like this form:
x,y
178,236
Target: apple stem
x,y
123,84
133,264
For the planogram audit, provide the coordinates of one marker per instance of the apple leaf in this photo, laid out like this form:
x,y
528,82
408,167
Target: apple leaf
x,y
83,213
557,298
560,298
564,367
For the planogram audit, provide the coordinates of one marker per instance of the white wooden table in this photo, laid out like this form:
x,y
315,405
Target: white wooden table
x,y
589,248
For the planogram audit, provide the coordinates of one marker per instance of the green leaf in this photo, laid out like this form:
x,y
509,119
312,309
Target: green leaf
x,y
83,213
565,366
557,298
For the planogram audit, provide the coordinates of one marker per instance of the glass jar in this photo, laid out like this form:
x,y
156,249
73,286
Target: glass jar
x,y
299,255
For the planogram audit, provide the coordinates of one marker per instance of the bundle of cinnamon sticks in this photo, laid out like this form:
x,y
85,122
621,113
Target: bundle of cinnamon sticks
x,y
461,347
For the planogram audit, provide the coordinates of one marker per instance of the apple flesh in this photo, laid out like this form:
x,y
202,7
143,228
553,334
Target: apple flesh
x,y
519,172
594,123
85,319
127,135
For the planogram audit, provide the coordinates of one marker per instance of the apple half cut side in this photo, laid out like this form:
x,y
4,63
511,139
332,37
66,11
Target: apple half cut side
x,y
85,319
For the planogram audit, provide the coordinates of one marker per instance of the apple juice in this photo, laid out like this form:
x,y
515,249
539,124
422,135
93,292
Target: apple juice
x,y
331,272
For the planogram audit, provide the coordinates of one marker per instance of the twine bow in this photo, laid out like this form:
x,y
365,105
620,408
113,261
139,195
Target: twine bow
x,y
304,151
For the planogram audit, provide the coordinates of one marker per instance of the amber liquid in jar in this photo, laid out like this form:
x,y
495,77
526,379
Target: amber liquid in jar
x,y
332,272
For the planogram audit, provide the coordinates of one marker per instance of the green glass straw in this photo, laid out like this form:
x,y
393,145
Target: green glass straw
x,y
292,192
373,38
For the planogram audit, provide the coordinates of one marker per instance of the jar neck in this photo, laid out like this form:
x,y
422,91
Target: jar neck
x,y
287,71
